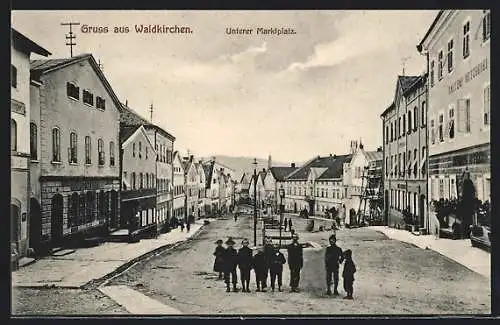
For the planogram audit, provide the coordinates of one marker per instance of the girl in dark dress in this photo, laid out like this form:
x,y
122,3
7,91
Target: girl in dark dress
x,y
348,274
219,261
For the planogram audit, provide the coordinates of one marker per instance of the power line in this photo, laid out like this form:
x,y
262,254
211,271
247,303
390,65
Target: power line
x,y
70,37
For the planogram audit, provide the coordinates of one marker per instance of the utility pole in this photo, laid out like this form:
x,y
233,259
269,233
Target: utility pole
x,y
255,203
70,37
151,113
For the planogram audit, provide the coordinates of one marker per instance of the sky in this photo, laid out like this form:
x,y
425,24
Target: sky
x,y
292,96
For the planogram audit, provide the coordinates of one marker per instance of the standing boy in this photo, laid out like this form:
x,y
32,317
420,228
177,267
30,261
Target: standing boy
x,y
268,253
348,274
333,257
245,265
230,263
260,268
295,262
276,268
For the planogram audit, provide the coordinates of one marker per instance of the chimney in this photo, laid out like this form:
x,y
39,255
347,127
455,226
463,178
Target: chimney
x,y
379,149
334,156
191,157
126,102
263,170
269,162
293,165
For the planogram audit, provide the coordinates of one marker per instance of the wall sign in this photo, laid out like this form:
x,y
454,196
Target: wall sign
x,y
469,76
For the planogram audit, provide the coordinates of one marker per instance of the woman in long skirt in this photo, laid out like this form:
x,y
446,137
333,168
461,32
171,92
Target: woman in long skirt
x,y
219,262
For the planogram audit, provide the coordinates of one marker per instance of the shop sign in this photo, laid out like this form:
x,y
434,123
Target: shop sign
x,y
469,76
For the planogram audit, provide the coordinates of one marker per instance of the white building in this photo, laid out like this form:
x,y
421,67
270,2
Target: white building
x,y
179,187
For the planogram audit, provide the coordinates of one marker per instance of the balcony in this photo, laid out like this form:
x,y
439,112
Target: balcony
x,y
136,194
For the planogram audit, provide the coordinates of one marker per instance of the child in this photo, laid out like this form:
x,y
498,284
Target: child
x,y
219,261
230,264
245,264
333,257
276,267
348,274
260,269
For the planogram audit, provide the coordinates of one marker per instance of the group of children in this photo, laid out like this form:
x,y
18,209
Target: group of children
x,y
269,259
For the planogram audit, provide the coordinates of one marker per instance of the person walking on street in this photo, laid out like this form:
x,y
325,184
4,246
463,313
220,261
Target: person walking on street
x,y
260,269
219,258
268,253
333,257
285,223
348,274
295,262
230,263
188,224
276,268
245,265
290,224
235,217
182,224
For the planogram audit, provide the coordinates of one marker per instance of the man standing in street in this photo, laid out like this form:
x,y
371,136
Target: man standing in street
x,y
245,265
290,224
268,253
333,257
230,263
295,262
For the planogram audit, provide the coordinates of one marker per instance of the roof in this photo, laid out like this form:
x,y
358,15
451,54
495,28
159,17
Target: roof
x,y
334,165
416,83
387,110
40,67
279,173
420,45
372,156
130,117
24,44
406,82
208,169
126,132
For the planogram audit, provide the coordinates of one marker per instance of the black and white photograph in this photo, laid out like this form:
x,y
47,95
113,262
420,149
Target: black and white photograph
x,y
238,162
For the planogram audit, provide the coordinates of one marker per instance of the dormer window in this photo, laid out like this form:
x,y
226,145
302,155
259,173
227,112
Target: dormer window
x,y
88,98
72,91
100,103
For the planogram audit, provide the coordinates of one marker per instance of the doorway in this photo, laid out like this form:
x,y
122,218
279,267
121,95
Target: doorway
x,y
35,224
15,212
57,215
421,211
386,207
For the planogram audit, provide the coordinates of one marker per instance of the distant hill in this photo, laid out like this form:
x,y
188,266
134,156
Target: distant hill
x,y
244,164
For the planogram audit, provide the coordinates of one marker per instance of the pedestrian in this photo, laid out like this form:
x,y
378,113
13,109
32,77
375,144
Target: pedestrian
x,y
188,225
235,217
260,269
348,274
230,263
268,253
290,224
333,257
219,258
295,262
286,223
276,267
182,224
245,255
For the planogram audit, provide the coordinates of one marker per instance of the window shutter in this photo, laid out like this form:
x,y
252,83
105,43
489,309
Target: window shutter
x,y
461,115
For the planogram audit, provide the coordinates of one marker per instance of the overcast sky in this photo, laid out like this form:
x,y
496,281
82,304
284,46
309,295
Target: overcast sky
x,y
291,96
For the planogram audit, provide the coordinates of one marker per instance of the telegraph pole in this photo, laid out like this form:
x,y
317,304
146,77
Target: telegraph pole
x,y
151,113
70,37
255,203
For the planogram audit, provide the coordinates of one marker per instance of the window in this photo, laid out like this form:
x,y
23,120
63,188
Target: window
x,y
423,120
133,149
386,134
432,73
73,148
398,126
133,181
392,131
88,147
441,128
140,150
451,123
486,25
440,65
409,122
100,103
466,40
486,105
13,135
100,152
433,133
441,188
386,166
464,115
13,76
111,153
404,125
146,152
56,145
72,90
415,118
467,115
88,97
450,56
33,141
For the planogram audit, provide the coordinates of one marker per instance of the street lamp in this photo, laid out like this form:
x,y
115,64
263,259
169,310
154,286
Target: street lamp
x,y
282,196
255,202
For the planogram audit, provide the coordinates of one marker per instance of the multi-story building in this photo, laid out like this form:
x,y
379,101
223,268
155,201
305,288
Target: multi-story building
x,y
405,152
274,180
242,187
77,176
211,187
25,223
191,181
261,190
317,186
355,179
138,173
202,192
164,146
179,189
457,47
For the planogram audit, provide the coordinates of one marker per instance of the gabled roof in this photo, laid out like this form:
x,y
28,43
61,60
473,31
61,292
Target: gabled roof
x,y
406,81
26,45
336,170
420,45
129,132
131,117
208,168
126,131
279,173
41,67
372,156
388,109
330,162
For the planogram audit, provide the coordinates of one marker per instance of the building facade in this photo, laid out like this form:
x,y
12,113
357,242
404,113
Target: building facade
x,y
275,179
405,152
179,189
191,181
457,46
24,211
202,192
138,174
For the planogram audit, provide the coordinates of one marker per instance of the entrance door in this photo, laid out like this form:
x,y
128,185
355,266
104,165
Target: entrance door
x,y
113,217
35,224
311,207
56,229
294,207
15,212
421,211
386,207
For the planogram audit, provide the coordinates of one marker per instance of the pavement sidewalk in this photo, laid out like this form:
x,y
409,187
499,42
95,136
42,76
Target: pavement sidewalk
x,y
459,250
90,264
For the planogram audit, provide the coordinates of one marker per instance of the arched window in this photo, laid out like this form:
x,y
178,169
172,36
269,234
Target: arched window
x,y
133,149
133,181
140,150
415,118
100,151
409,122
33,141
111,153
56,145
73,210
141,181
88,150
13,135
73,148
